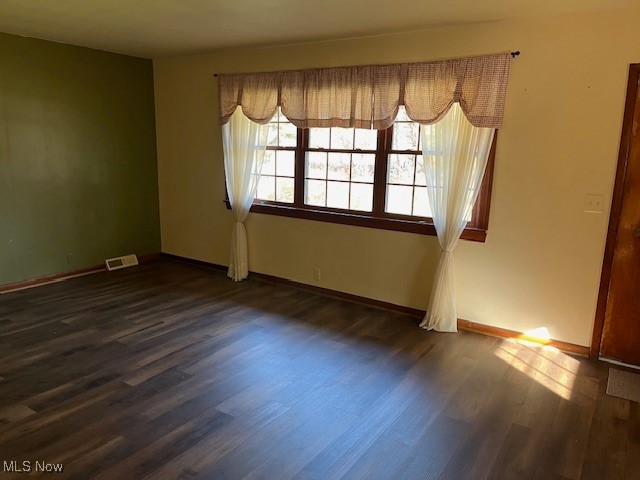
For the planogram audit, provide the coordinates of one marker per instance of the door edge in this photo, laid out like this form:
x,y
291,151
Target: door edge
x,y
616,208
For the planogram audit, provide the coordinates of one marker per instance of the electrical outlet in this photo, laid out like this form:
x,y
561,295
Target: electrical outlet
x,y
317,274
594,203
69,258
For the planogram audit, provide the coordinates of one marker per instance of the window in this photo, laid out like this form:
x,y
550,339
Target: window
x,y
406,191
339,168
277,178
371,178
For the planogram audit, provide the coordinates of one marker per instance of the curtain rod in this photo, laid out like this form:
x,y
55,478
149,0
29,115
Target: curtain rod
x,y
513,55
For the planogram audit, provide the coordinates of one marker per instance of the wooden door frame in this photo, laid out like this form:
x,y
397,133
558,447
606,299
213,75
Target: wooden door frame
x,y
616,209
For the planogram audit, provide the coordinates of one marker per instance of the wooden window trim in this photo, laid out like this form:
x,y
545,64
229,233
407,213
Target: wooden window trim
x,y
378,218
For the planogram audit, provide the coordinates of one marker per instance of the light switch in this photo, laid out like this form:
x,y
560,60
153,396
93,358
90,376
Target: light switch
x,y
594,203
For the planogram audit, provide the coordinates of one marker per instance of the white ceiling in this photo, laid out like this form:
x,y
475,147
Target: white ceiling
x,y
160,28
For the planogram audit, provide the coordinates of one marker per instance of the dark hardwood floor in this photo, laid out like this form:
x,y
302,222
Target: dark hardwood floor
x,y
170,370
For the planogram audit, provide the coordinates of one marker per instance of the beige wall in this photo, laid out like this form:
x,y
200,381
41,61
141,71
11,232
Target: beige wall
x,y
541,262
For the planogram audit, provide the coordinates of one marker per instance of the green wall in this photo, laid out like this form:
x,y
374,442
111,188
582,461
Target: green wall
x,y
78,170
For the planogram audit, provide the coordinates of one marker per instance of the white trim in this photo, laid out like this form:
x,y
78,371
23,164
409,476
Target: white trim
x,y
54,280
622,364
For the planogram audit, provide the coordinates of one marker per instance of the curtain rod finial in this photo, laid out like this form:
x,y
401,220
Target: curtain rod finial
x,y
515,54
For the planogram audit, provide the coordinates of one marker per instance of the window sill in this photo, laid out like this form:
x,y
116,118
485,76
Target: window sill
x,y
344,218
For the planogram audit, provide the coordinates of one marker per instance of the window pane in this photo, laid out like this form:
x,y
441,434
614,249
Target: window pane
x,y
339,166
315,192
399,199
319,137
402,115
421,205
366,139
269,163
342,138
338,195
285,164
405,136
316,165
288,135
284,189
362,167
266,188
430,146
361,197
420,178
272,135
467,218
401,169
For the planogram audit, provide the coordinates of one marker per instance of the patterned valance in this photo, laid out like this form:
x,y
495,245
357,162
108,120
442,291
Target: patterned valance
x,y
369,96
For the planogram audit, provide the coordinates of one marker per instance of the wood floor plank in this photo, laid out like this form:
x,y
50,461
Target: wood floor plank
x,y
171,370
433,449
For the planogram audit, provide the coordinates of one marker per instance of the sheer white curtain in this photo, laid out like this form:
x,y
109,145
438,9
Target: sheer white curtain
x,y
244,144
455,156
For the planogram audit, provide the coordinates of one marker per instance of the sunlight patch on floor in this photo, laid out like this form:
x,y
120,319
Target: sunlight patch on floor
x,y
543,363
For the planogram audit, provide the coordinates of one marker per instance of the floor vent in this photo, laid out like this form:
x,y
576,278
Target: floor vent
x,y
121,262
